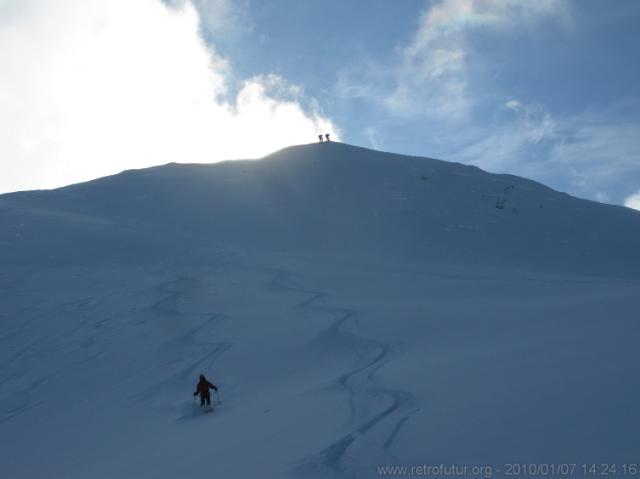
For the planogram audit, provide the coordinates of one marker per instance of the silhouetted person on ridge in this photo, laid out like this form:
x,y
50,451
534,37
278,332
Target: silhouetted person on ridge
x,y
320,138
327,137
203,389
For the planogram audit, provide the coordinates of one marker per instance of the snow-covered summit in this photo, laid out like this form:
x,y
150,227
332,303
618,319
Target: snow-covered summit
x,y
341,200
358,310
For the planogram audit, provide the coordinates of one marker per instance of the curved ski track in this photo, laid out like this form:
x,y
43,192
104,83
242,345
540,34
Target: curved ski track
x,y
169,305
358,383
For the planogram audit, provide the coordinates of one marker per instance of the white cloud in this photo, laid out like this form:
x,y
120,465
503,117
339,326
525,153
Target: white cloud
x,y
433,78
594,153
514,105
587,156
92,87
220,17
602,197
501,150
373,137
633,201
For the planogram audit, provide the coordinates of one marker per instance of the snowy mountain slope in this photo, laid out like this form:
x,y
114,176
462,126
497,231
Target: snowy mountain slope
x,y
343,199
356,308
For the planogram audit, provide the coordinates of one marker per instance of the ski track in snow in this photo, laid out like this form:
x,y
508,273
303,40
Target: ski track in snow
x,y
174,292
29,356
20,410
389,442
359,383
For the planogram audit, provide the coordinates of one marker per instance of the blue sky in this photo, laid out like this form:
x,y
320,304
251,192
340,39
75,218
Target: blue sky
x,y
545,89
551,93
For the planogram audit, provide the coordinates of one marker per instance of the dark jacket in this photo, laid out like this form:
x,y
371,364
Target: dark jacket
x,y
203,387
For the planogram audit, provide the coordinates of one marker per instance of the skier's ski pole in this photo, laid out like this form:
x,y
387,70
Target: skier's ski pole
x,y
194,406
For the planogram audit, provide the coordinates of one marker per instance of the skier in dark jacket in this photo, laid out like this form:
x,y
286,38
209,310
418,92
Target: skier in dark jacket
x,y
203,389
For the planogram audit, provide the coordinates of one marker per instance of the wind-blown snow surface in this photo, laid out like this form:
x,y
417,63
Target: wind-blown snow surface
x,y
356,309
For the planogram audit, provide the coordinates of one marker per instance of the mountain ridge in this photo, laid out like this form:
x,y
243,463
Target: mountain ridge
x,y
355,309
336,197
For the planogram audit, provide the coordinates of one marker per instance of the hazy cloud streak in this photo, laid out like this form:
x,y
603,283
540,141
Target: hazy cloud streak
x,y
433,77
